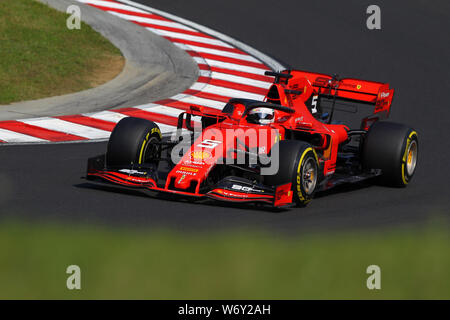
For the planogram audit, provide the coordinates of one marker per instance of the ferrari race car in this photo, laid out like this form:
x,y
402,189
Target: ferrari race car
x,y
279,151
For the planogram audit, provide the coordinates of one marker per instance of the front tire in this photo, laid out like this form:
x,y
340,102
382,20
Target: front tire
x,y
133,141
394,149
298,165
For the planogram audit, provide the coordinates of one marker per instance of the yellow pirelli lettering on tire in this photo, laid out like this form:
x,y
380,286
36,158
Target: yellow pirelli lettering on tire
x,y
141,153
157,131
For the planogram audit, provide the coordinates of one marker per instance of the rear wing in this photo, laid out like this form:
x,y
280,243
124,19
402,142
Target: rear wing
x,y
361,91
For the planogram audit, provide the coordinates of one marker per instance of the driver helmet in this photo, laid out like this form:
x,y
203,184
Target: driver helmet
x,y
262,115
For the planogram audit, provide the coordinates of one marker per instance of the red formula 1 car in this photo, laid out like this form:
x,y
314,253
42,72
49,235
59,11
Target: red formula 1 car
x,y
279,151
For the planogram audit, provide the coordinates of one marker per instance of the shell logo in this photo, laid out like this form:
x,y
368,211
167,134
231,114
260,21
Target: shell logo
x,y
200,155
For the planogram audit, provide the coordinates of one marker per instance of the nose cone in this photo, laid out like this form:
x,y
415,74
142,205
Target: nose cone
x,y
185,178
183,182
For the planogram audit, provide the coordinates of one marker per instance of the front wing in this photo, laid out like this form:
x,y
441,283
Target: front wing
x,y
146,178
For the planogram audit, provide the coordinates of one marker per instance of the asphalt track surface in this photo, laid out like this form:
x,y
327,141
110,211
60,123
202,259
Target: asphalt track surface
x,y
43,182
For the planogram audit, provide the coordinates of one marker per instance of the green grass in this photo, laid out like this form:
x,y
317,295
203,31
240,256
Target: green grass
x,y
138,264
40,57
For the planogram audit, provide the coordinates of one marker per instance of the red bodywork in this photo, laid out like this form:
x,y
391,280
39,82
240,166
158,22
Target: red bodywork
x,y
313,85
297,90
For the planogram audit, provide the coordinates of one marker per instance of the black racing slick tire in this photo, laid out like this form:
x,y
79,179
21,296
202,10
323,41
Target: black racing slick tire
x,y
133,141
298,165
393,148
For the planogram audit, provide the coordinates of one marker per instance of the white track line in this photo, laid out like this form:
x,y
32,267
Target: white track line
x,y
12,136
198,101
68,127
240,56
228,65
185,36
110,116
164,110
226,92
116,116
151,21
236,79
160,109
114,5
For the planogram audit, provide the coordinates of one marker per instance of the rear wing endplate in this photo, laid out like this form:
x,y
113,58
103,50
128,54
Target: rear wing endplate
x,y
357,90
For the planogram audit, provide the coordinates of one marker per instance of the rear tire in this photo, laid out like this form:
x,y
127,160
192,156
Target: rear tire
x,y
133,141
394,149
298,166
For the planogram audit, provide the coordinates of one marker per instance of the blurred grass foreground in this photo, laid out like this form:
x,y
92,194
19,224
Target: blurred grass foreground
x,y
138,264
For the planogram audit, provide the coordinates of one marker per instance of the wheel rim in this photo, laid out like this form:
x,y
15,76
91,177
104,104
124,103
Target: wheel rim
x,y
151,150
411,159
309,176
